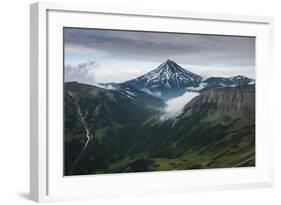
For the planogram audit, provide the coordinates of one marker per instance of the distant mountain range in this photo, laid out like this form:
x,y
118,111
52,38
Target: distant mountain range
x,y
170,80
228,82
117,127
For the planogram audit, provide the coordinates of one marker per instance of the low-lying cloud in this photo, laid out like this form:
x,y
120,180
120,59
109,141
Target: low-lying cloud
x,y
175,106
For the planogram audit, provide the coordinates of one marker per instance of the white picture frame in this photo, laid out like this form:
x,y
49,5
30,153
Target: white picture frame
x,y
47,182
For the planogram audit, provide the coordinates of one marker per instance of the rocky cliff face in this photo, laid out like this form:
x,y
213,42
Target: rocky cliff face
x,y
219,102
113,131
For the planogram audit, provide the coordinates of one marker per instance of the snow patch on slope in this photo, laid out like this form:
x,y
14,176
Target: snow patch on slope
x,y
155,94
105,86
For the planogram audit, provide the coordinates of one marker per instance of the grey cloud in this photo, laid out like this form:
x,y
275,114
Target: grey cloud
x,y
82,72
187,49
91,63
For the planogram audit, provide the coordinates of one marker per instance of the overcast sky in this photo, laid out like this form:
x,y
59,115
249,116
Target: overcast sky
x,y
95,56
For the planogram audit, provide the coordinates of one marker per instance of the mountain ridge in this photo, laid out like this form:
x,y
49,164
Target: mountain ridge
x,y
170,80
117,127
216,129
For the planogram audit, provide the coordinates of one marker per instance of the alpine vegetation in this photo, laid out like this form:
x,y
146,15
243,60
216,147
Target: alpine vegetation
x,y
139,101
167,119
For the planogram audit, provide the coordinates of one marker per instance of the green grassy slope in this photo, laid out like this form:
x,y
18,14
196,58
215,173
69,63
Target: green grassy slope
x,y
215,130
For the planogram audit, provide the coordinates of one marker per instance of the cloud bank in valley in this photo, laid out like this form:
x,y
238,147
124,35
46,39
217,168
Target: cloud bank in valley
x,y
176,105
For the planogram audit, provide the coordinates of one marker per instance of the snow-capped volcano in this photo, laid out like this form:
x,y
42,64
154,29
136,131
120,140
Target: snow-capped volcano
x,y
168,77
170,80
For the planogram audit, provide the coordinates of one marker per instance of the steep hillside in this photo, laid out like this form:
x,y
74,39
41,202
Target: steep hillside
x,y
91,112
215,129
